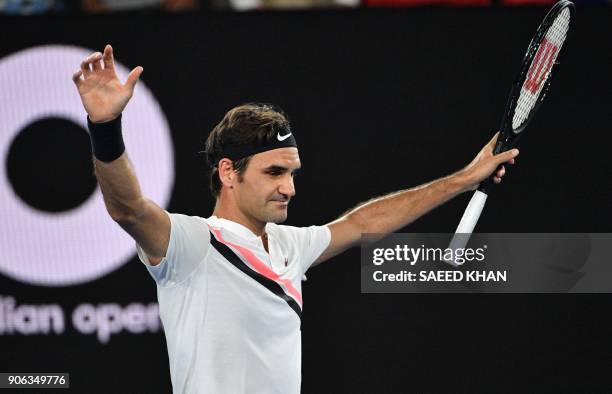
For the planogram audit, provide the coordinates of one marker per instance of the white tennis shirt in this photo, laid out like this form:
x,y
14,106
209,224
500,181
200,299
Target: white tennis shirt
x,y
231,312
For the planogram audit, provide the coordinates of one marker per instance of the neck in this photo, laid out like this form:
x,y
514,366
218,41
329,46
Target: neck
x,y
235,215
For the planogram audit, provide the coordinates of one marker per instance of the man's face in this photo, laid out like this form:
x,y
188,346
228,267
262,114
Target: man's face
x,y
267,185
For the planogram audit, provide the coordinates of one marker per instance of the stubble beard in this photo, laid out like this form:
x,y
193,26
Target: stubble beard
x,y
275,214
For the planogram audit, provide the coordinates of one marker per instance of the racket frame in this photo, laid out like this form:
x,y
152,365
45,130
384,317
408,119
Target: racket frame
x,y
508,137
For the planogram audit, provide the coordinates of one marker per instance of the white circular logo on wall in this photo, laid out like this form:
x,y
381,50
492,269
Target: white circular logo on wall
x,y
82,244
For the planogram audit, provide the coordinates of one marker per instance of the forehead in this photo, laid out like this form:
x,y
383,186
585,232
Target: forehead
x,y
282,157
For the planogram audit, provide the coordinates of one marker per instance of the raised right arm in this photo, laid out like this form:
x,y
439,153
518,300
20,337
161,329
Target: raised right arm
x,y
104,98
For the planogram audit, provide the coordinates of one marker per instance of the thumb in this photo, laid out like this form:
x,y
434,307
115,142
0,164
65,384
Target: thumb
x,y
493,141
506,156
133,78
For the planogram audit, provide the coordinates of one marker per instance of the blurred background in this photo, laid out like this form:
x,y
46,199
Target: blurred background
x,y
29,7
383,95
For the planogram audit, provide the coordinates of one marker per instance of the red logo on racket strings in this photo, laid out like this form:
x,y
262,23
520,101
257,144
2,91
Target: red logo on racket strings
x,y
541,65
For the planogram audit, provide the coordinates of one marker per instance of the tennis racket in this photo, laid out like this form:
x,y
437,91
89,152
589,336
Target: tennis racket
x,y
526,96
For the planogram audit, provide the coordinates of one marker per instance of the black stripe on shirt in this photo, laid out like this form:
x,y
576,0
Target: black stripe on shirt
x,y
268,283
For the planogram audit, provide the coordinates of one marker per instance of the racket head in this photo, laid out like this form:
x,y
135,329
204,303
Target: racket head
x,y
533,80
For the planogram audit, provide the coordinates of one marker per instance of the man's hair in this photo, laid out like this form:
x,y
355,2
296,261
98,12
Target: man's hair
x,y
247,123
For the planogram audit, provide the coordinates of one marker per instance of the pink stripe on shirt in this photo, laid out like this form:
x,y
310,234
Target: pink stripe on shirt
x,y
261,267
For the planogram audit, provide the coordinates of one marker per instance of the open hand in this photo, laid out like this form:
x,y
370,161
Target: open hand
x,y
102,94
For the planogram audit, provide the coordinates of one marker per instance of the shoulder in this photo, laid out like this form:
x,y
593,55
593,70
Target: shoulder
x,y
308,242
297,234
186,225
283,231
181,218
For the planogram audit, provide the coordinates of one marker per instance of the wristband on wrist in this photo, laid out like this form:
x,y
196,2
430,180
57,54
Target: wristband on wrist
x,y
106,139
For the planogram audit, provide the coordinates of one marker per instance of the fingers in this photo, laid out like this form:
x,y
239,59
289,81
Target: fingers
x,y
96,64
76,77
499,174
133,77
507,156
109,61
504,157
92,60
85,67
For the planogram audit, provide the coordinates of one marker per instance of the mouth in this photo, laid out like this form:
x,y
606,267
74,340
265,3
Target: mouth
x,y
281,203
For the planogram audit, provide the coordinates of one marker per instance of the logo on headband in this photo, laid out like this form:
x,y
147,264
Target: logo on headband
x,y
283,137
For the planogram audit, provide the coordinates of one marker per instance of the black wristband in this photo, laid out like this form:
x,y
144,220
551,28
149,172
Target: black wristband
x,y
106,139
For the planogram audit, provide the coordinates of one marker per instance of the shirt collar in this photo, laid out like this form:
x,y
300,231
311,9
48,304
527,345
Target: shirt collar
x,y
233,227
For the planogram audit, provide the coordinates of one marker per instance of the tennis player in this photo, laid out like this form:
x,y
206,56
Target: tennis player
x,y
229,286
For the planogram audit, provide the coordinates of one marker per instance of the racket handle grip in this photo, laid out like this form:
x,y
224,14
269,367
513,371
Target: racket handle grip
x,y
472,213
468,222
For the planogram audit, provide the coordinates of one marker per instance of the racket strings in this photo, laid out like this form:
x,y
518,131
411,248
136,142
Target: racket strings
x,y
540,68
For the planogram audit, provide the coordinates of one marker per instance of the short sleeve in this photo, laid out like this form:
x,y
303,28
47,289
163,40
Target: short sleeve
x,y
312,242
189,243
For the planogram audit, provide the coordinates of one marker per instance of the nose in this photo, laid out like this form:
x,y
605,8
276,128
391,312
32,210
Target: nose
x,y
287,187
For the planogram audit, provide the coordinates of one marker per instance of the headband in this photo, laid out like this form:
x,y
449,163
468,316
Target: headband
x,y
282,139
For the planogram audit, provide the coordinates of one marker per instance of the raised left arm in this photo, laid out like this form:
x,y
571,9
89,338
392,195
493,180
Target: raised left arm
x,y
394,211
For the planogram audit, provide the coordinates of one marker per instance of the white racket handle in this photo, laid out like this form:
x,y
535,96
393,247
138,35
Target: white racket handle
x,y
468,222
472,213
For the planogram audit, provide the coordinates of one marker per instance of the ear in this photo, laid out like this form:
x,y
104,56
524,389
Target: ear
x,y
227,175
